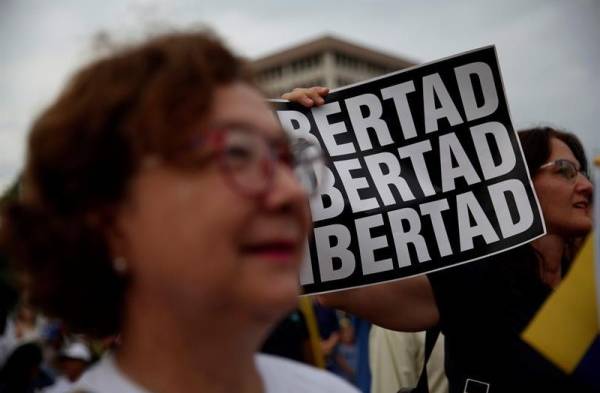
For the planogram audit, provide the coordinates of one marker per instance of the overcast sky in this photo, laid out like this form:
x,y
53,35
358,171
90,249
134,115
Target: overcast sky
x,y
549,51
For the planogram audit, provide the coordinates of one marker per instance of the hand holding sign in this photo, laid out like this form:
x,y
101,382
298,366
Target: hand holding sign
x,y
307,96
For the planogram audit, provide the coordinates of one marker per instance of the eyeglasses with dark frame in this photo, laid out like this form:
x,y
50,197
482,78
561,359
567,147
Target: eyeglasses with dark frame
x,y
565,168
248,159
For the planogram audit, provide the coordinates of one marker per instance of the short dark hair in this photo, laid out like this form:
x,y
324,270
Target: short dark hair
x,y
536,146
82,153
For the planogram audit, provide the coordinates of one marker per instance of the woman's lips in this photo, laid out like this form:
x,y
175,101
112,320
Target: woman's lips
x,y
581,205
276,251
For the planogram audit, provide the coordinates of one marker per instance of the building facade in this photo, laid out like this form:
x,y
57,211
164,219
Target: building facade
x,y
325,61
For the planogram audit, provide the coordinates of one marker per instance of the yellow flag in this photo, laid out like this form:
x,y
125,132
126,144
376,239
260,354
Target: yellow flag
x,y
567,324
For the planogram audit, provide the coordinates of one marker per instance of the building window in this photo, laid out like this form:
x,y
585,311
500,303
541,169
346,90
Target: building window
x,y
306,63
343,82
313,82
344,60
270,73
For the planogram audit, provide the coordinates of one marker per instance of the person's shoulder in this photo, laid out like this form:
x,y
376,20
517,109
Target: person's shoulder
x,y
105,377
61,385
284,375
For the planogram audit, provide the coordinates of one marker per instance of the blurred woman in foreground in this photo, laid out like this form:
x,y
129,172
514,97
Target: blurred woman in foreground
x,y
482,307
159,202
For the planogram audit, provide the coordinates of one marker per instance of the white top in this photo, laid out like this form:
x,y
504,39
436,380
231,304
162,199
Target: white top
x,y
62,385
396,361
278,375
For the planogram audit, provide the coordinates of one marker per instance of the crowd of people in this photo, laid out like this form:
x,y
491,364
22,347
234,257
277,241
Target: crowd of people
x,y
162,207
36,354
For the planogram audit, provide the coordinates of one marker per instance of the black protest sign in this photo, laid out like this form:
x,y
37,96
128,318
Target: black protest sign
x,y
425,173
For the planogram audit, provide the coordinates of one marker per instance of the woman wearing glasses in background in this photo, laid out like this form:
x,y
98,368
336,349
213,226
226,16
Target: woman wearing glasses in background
x,y
159,202
483,307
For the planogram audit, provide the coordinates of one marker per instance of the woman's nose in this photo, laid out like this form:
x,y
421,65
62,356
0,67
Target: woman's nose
x,y
584,185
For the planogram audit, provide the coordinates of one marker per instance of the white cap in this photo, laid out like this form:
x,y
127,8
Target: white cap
x,y
76,350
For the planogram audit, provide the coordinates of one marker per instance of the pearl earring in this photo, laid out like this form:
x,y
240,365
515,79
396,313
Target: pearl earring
x,y
120,265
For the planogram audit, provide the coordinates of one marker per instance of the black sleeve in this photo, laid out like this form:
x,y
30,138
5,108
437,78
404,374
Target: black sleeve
x,y
466,295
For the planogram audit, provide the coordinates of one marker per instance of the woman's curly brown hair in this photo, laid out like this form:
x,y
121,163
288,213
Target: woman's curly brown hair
x,y
82,153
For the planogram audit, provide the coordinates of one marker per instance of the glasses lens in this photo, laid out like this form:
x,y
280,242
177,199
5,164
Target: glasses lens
x,y
247,159
309,165
566,169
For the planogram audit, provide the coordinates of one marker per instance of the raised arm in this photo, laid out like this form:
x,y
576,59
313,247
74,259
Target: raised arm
x,y
406,305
